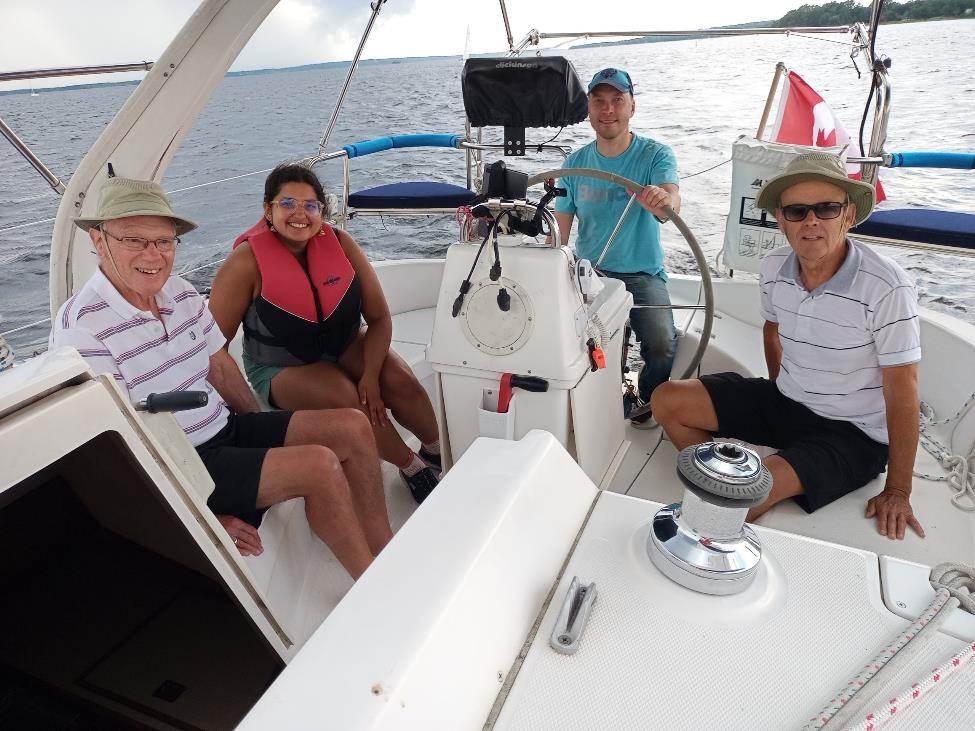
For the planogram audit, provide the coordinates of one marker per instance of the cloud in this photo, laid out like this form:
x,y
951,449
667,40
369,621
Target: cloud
x,y
45,34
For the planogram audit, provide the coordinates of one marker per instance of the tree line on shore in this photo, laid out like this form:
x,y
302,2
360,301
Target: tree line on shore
x,y
848,12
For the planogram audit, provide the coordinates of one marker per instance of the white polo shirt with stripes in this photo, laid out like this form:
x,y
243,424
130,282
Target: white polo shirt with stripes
x,y
146,355
837,339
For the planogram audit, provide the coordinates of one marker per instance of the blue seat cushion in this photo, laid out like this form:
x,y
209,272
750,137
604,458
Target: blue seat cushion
x,y
947,228
412,195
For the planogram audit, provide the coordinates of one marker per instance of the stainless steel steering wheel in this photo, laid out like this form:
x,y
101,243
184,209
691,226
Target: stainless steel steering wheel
x,y
692,242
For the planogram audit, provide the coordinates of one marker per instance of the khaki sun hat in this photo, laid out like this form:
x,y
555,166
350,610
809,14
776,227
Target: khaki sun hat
x,y
818,166
124,197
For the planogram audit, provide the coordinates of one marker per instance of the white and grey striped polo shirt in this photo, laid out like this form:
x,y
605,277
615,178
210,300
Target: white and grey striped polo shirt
x,y
837,338
146,355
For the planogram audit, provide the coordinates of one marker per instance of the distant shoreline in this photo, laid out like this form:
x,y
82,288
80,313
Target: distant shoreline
x,y
415,59
247,72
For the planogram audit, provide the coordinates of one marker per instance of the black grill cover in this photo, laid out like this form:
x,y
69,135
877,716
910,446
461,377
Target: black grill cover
x,y
523,92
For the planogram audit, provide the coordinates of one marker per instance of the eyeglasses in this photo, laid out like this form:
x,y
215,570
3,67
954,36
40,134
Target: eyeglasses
x,y
312,208
825,211
137,243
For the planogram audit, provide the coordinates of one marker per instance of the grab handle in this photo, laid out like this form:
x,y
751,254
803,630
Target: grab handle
x,y
529,383
172,401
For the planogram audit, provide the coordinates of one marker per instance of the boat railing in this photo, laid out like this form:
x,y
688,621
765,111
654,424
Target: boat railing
x,y
413,198
951,232
535,37
35,162
376,6
29,75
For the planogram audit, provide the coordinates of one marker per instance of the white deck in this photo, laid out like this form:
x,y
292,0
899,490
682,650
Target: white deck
x,y
813,611
654,655
648,469
471,567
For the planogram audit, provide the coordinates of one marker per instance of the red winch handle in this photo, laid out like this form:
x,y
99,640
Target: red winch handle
x,y
504,393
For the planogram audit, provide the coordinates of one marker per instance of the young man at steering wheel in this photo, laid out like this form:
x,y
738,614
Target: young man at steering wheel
x,y
635,255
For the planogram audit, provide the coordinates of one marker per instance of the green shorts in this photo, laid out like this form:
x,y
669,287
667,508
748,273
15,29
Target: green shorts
x,y
260,376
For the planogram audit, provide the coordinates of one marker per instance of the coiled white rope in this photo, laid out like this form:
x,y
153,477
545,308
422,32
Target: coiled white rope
x,y
6,355
960,468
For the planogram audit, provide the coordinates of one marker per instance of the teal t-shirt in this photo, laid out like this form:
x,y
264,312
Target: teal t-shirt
x,y
598,204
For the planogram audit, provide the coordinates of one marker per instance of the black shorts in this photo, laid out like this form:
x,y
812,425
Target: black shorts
x,y
831,457
234,457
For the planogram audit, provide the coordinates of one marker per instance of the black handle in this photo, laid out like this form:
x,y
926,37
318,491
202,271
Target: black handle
x,y
529,383
174,401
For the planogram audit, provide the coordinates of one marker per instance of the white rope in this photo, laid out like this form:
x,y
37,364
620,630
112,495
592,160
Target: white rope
x,y
954,584
935,679
958,581
842,707
960,468
6,355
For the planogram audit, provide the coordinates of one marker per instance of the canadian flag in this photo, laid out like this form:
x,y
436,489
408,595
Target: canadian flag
x,y
805,118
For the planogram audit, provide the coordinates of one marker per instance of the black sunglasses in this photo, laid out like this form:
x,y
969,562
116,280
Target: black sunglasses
x,y
825,211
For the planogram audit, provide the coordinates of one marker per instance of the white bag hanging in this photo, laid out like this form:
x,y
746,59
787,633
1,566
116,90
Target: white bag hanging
x,y
750,232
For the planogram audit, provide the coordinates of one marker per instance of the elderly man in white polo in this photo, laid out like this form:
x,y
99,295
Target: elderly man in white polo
x,y
842,345
153,333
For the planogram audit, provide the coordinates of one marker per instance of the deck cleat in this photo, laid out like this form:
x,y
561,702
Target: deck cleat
x,y
703,543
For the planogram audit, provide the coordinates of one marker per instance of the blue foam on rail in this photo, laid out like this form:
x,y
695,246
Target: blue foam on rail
x,y
952,160
380,144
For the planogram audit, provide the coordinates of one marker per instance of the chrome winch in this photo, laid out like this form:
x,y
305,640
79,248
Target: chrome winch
x,y
703,543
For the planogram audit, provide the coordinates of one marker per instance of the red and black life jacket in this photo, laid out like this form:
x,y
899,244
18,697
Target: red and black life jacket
x,y
302,315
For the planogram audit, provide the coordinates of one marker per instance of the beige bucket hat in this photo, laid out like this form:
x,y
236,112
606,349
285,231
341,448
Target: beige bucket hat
x,y
124,197
818,166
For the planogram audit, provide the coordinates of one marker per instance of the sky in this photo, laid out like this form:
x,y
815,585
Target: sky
x,y
58,33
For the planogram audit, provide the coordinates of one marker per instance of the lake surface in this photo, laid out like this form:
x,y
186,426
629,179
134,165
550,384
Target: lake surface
x,y
698,96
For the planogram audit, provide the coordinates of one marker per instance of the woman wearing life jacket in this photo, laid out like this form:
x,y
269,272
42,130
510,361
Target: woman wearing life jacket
x,y
301,290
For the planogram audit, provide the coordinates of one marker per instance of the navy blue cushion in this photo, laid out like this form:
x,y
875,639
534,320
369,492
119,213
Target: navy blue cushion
x,y
412,195
948,228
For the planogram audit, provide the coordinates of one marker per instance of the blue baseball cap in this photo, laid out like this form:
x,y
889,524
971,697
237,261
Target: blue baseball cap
x,y
617,78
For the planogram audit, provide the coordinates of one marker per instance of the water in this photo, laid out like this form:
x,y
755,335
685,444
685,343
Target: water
x,y
698,96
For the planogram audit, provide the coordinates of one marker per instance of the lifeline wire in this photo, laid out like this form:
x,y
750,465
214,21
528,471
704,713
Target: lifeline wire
x,y
701,172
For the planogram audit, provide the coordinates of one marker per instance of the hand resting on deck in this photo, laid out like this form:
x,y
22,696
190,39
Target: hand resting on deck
x,y
243,534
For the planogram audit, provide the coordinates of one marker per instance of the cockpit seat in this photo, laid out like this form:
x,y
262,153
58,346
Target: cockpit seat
x,y
946,228
411,195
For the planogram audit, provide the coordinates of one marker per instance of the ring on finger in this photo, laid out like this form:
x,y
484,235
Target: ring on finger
x,y
235,539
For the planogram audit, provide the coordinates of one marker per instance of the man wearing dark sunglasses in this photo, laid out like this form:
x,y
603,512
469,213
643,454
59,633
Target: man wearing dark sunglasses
x,y
842,344
633,254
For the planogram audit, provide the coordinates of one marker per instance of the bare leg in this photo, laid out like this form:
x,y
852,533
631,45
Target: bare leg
x,y
348,434
315,473
401,391
785,484
326,385
407,399
685,411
